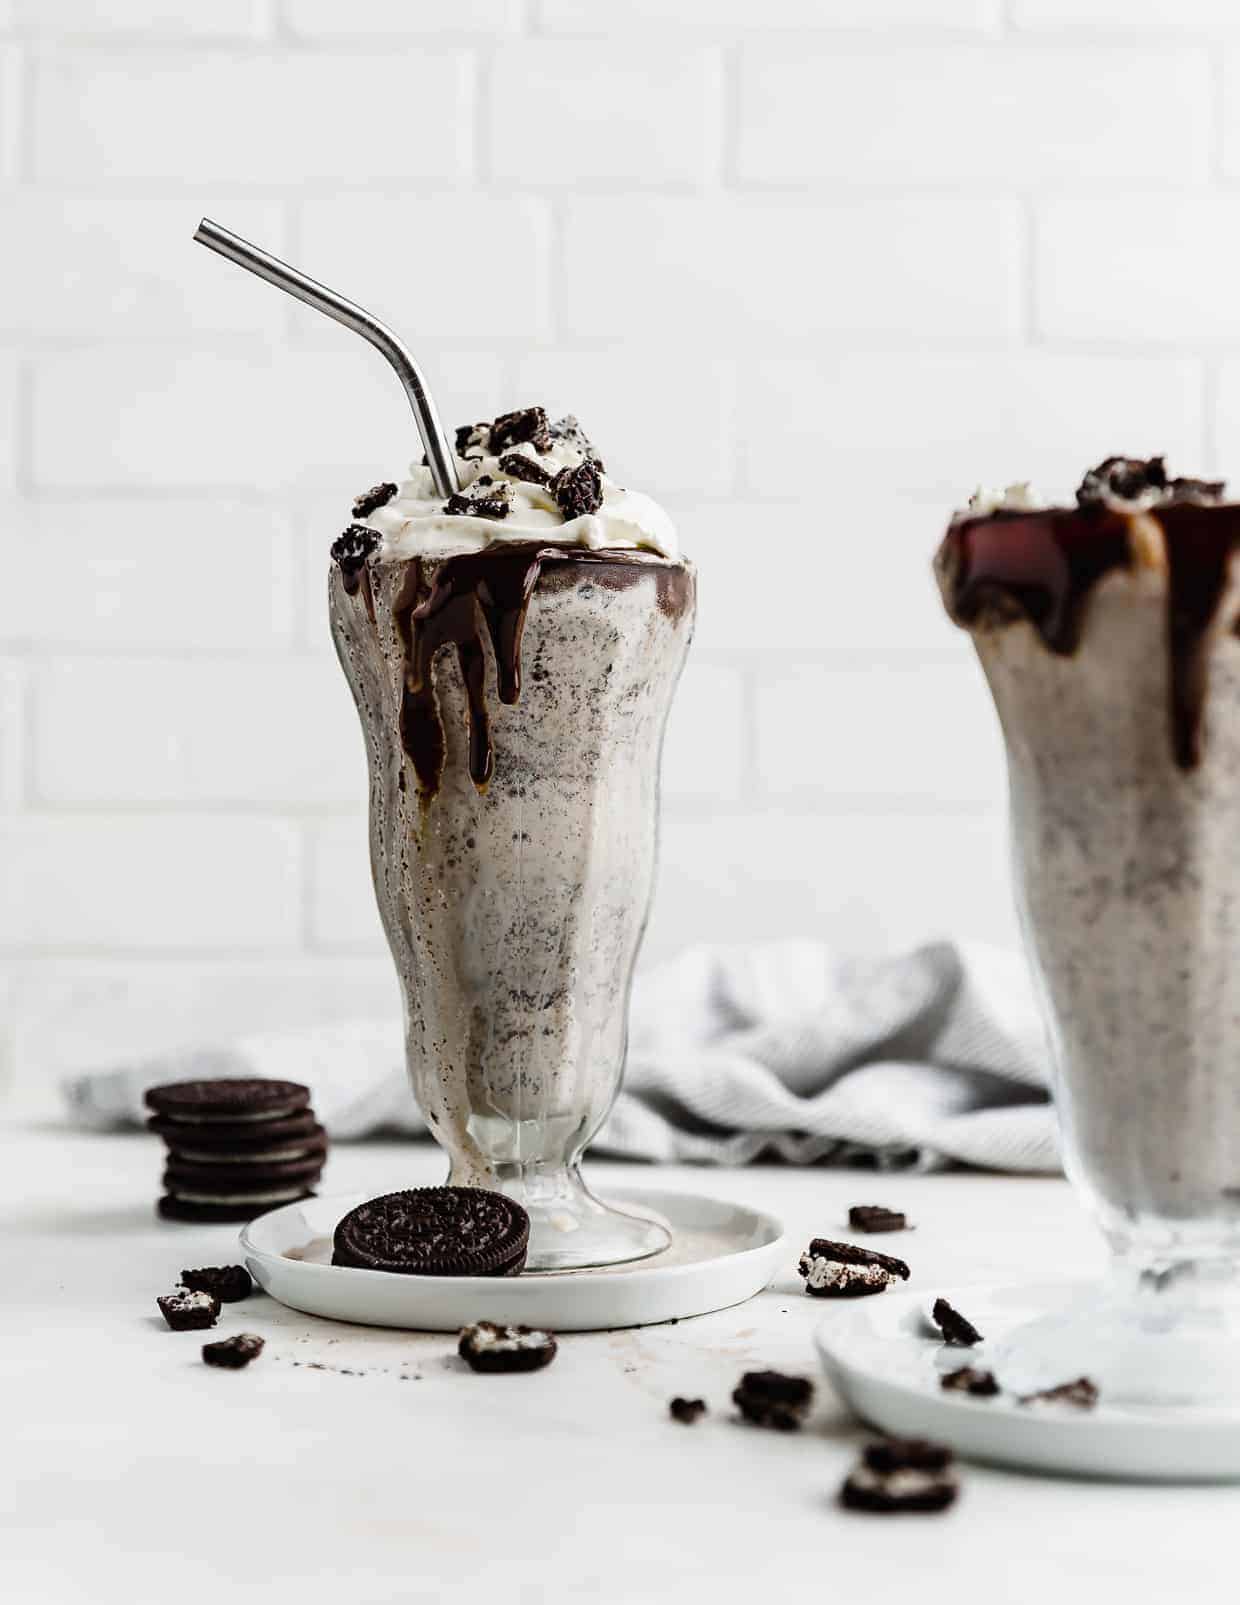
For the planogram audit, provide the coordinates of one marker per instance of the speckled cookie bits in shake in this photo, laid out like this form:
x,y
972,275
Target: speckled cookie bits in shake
x,y
1107,631
513,651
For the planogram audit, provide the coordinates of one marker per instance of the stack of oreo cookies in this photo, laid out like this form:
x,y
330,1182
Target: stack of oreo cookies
x,y
235,1148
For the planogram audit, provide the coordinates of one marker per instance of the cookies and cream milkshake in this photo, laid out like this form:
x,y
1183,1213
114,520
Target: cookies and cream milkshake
x,y
513,653
1107,629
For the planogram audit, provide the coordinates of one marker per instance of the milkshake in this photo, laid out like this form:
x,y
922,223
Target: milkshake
x,y
1108,632
513,652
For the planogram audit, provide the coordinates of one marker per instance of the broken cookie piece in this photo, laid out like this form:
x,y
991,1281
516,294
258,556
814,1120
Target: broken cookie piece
x,y
489,1347
966,1379
771,1399
955,1327
1079,1395
845,1270
185,1311
901,1474
874,1218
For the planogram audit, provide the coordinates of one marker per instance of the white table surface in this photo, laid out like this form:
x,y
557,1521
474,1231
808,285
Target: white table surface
x,y
132,1472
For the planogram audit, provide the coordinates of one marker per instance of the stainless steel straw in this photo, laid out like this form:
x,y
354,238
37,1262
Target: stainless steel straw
x,y
439,454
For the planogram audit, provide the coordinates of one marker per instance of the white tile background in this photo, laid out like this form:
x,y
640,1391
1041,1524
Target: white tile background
x,y
806,268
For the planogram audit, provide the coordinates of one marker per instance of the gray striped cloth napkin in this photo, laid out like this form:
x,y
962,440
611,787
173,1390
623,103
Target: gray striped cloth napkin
x,y
787,1049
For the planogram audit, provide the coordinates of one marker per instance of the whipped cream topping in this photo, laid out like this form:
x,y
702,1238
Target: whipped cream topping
x,y
415,522
1017,498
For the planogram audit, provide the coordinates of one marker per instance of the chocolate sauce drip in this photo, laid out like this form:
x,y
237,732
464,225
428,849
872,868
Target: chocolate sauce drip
x,y
1039,566
1044,566
489,591
1200,543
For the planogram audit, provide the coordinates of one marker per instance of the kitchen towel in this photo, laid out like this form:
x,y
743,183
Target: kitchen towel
x,y
927,1058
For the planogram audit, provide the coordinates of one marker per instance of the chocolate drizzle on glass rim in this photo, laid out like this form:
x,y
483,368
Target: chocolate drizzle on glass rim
x,y
1044,565
471,598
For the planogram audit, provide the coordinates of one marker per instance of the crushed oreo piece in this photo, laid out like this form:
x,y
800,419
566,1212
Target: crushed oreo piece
x,y
515,428
231,1354
771,1399
954,1326
828,1278
966,1379
572,434
518,466
189,1312
901,1474
687,1411
1079,1395
485,1346
372,500
493,503
854,1254
579,490
472,440
228,1283
1143,480
351,549
874,1218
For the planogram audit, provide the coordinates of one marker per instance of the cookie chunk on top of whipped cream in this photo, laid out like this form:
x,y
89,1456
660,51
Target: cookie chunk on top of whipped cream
x,y
523,478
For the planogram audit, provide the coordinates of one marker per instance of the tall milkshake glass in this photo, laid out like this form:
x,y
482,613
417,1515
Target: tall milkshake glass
x,y
513,655
1107,631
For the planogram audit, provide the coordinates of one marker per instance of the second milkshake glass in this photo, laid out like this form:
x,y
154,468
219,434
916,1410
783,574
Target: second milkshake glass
x,y
1107,633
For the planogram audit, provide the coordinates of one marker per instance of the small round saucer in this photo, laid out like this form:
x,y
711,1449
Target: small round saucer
x,y
721,1254
883,1361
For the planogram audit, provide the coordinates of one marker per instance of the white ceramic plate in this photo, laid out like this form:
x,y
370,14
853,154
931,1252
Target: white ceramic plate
x,y
884,1364
721,1254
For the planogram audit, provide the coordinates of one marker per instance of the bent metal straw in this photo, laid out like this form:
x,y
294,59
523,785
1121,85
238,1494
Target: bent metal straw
x,y
439,454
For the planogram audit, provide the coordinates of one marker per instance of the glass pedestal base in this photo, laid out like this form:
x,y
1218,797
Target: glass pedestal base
x,y
571,1229
1154,1340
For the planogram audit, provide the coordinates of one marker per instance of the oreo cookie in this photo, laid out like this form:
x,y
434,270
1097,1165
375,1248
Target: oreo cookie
x,y
370,501
487,1346
182,1175
874,1218
234,1353
518,466
901,1474
205,1210
241,1101
955,1327
579,490
435,1231
189,1311
228,1283
845,1270
237,1136
771,1399
515,428
966,1379
686,1411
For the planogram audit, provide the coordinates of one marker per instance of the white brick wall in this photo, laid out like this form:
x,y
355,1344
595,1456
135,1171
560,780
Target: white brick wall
x,y
806,268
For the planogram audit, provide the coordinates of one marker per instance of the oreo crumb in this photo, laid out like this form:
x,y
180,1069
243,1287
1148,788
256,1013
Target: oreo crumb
x,y
854,1254
687,1411
371,500
874,1218
515,428
231,1354
980,1384
579,490
495,504
472,440
1143,479
901,1474
825,1278
1079,1395
954,1326
771,1399
228,1283
185,1311
518,466
351,549
486,1346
